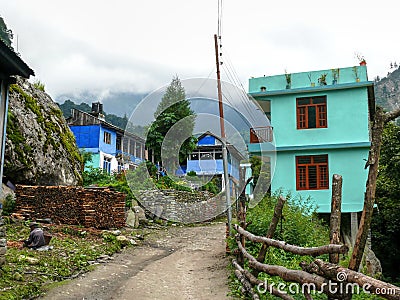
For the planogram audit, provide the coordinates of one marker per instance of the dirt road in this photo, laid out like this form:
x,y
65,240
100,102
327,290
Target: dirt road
x,y
177,263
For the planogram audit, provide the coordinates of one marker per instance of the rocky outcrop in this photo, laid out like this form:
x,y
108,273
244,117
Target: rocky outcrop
x,y
40,147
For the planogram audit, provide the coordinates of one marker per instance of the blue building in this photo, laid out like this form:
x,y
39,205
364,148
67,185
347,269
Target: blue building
x,y
206,159
112,148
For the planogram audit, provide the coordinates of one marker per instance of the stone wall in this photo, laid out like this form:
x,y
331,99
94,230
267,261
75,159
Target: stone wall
x,y
181,206
99,208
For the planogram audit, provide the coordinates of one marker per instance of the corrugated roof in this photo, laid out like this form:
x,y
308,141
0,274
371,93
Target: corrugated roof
x,y
11,64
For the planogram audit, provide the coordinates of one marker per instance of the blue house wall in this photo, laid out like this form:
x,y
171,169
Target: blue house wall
x,y
212,166
87,137
207,140
108,148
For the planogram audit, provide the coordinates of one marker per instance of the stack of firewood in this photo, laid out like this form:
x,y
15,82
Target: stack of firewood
x,y
99,208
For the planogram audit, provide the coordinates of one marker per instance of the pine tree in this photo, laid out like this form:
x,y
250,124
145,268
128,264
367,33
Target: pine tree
x,y
6,34
173,108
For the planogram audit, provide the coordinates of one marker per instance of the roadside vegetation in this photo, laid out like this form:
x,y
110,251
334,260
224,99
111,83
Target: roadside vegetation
x,y
121,181
75,250
299,225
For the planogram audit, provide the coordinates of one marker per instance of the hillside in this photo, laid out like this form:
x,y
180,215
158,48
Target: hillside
x,y
68,105
387,91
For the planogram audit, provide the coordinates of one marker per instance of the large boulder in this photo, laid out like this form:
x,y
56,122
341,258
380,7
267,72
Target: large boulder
x,y
40,147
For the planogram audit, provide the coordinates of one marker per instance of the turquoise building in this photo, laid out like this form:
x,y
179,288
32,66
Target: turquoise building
x,y
320,125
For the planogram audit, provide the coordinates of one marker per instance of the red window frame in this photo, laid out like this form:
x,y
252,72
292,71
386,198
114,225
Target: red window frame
x,y
305,105
312,172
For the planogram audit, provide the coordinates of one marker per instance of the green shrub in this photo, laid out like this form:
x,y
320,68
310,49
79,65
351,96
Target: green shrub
x,y
39,85
299,226
8,205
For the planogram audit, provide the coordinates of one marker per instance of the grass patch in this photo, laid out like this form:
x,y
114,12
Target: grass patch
x,y
74,250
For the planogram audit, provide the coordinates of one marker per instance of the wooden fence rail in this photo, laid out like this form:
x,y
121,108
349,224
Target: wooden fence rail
x,y
317,276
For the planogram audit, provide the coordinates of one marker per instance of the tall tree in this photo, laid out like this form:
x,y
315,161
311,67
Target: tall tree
x,y
173,108
380,118
6,34
386,220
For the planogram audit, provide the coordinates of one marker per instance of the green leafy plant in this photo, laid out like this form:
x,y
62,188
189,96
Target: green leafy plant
x,y
39,85
8,205
288,77
355,72
191,174
322,79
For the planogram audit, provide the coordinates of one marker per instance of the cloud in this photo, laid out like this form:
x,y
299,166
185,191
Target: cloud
x,y
137,46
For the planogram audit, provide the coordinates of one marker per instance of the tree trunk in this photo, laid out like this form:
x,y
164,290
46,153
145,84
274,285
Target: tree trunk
x,y
380,119
313,251
335,215
341,274
264,284
308,281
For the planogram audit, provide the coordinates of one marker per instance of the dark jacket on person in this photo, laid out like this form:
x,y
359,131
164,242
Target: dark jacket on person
x,y
36,239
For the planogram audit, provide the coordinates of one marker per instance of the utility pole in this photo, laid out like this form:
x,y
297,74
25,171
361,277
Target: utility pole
x,y
223,139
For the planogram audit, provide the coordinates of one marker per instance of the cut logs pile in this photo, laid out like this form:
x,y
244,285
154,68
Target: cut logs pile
x,y
98,208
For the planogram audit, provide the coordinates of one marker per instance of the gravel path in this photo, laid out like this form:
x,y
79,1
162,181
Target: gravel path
x,y
177,263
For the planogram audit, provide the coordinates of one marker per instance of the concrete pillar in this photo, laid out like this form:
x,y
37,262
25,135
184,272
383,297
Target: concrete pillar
x,y
353,227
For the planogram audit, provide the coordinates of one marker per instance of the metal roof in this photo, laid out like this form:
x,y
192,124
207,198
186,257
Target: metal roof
x,y
11,63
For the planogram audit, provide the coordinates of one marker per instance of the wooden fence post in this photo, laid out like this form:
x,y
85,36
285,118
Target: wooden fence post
x,y
335,220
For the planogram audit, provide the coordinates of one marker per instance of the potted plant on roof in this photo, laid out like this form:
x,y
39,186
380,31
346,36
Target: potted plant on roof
x,y
288,77
361,59
355,71
322,79
335,75
309,75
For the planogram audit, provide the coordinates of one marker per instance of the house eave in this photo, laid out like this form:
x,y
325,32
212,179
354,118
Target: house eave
x,y
11,64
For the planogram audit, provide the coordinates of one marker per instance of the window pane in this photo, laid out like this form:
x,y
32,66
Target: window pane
x,y
319,100
303,101
304,159
320,158
302,178
312,177
218,155
323,177
206,156
322,115
312,117
301,117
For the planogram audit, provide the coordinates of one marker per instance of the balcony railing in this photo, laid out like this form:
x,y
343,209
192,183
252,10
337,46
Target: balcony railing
x,y
261,134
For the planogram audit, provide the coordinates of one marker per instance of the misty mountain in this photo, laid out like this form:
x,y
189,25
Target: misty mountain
x,y
387,90
116,103
68,105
